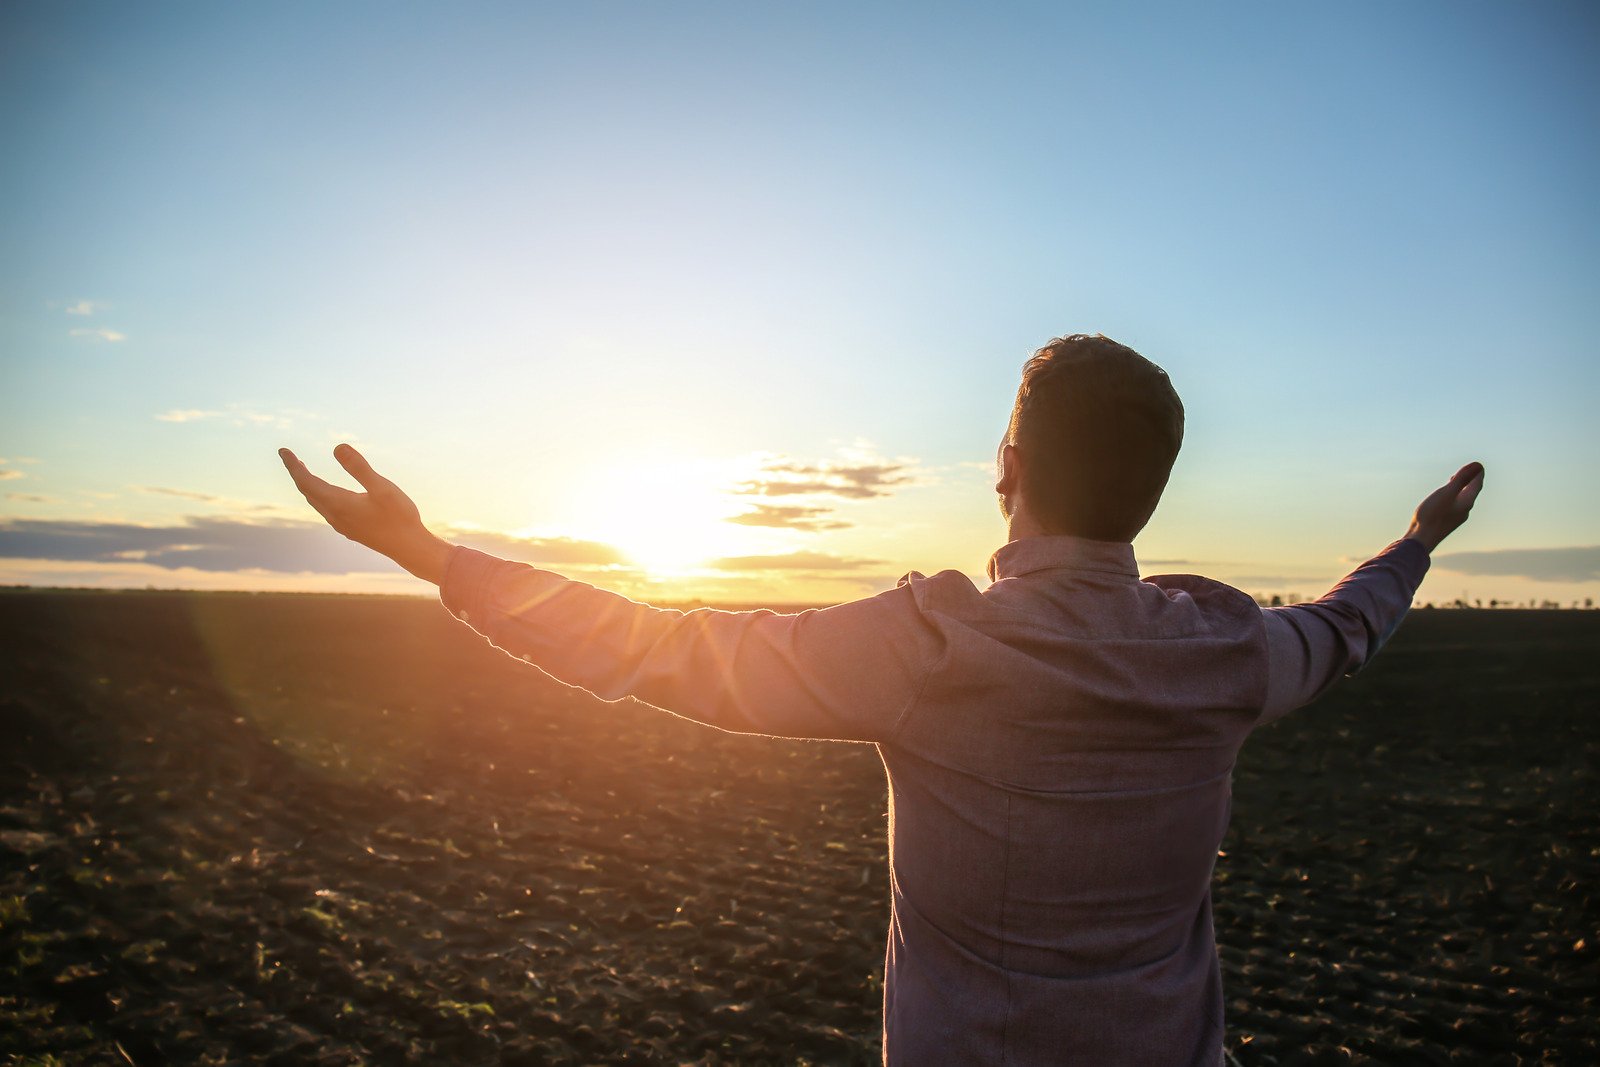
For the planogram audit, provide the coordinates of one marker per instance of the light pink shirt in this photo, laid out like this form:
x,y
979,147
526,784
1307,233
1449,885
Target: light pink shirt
x,y
1059,749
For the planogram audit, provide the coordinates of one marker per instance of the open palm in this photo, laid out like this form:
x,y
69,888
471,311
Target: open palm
x,y
383,518
1443,511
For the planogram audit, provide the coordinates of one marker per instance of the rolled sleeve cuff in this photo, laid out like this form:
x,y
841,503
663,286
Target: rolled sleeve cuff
x,y
1413,559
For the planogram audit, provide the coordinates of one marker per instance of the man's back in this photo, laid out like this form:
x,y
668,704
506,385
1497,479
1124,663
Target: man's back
x,y
1058,794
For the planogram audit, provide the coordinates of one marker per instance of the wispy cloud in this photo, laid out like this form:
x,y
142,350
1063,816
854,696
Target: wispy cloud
x,y
1575,564
83,307
793,561
207,544
262,418
235,415
790,517
223,543
32,498
186,494
551,550
7,474
1314,585
231,503
858,480
103,333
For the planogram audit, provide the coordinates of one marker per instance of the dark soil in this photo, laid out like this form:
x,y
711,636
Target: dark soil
x,y
327,830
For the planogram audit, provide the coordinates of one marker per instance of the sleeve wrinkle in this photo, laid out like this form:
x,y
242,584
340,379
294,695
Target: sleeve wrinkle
x,y
851,672
727,652
1340,633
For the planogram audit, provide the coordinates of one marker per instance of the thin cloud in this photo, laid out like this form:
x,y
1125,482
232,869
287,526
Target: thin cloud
x,y
32,498
235,415
221,543
553,550
228,502
790,517
793,561
852,481
104,333
1575,564
9,475
207,544
1283,581
186,494
83,307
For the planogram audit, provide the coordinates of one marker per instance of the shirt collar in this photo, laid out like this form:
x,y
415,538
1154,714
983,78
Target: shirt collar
x,y
1062,552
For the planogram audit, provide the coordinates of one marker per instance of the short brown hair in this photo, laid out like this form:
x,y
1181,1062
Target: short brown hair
x,y
1099,427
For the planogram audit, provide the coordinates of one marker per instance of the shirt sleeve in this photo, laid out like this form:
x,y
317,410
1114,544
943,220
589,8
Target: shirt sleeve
x,y
1311,646
844,673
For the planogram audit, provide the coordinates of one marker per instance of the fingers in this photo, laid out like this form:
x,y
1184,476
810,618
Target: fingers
x,y
359,468
1467,480
1471,487
1461,478
304,480
317,492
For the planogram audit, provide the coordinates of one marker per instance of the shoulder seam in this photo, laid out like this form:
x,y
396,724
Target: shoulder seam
x,y
931,669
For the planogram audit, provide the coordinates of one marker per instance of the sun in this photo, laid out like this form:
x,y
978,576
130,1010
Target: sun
x,y
669,516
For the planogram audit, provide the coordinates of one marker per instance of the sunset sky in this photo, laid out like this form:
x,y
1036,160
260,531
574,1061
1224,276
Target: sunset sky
x,y
729,301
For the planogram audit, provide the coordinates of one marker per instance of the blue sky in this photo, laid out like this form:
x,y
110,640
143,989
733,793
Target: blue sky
x,y
575,275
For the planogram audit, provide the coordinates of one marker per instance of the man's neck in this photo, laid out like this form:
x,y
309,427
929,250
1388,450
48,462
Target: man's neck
x,y
1023,525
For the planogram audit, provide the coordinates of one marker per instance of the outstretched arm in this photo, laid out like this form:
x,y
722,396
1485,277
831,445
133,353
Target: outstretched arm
x,y
849,672
1311,646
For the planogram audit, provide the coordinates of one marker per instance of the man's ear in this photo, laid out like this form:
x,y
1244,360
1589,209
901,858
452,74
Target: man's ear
x,y
1008,484
1009,472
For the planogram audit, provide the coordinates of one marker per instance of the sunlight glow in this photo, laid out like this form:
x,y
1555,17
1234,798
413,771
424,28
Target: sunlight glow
x,y
667,515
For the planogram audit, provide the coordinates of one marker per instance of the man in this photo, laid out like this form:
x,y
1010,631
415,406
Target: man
x,y
1059,746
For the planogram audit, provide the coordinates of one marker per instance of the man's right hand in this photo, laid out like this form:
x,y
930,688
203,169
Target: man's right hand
x,y
1447,507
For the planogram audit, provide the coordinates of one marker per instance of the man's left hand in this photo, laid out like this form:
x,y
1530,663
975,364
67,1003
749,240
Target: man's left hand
x,y
383,518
